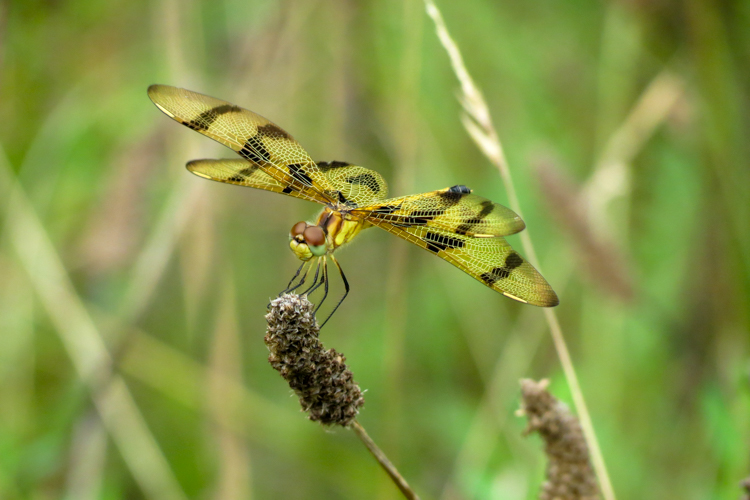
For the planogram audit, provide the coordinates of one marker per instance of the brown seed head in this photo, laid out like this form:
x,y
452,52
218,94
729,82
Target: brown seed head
x,y
569,472
320,378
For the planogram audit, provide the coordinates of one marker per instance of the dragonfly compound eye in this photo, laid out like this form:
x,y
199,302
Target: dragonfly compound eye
x,y
298,229
315,239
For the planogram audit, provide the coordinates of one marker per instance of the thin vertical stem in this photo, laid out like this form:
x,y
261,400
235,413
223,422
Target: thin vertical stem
x,y
383,461
478,123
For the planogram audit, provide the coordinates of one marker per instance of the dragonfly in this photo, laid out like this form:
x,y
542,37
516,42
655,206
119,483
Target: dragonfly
x,y
454,224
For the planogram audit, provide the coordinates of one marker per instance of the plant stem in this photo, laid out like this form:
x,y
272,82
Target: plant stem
x,y
383,461
478,123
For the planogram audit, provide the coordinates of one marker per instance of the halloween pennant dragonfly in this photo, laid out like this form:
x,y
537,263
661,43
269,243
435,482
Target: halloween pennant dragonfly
x,y
458,226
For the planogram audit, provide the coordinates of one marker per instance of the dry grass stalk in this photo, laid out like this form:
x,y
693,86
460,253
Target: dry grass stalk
x,y
569,472
84,343
114,227
664,96
384,462
604,262
478,123
320,378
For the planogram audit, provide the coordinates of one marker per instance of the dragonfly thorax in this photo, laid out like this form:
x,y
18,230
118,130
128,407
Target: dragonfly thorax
x,y
331,230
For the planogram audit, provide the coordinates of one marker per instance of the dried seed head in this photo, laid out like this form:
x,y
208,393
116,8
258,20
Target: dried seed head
x,y
569,472
324,385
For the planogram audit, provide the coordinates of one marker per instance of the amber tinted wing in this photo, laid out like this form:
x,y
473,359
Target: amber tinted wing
x,y
252,136
357,186
453,209
490,260
240,172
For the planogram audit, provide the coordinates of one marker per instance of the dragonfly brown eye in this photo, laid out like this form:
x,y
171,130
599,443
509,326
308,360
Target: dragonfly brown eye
x,y
298,229
314,236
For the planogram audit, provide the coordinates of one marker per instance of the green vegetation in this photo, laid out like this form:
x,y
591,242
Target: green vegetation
x,y
133,294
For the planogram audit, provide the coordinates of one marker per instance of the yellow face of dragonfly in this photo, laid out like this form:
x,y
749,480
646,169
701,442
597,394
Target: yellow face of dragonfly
x,y
454,224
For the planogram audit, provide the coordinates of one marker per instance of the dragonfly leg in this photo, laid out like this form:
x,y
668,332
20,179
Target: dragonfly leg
x,y
289,286
302,279
325,282
346,290
315,283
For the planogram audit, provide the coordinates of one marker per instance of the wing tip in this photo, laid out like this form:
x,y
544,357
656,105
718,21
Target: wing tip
x,y
193,167
552,300
549,299
520,224
156,93
154,89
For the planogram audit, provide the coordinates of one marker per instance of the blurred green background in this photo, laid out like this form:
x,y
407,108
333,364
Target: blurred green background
x,y
132,293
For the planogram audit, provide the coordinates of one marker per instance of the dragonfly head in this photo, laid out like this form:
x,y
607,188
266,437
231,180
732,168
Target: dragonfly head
x,y
307,241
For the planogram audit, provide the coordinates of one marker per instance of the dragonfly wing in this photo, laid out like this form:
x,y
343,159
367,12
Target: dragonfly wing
x,y
453,209
240,172
465,230
358,186
491,261
255,138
